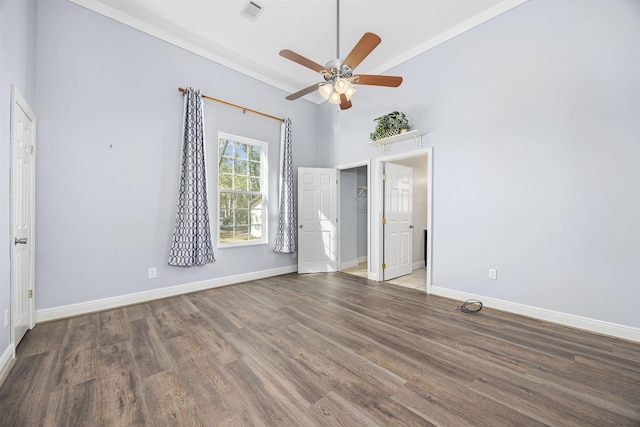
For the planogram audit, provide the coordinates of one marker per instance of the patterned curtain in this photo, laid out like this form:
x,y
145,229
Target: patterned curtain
x,y
287,233
192,235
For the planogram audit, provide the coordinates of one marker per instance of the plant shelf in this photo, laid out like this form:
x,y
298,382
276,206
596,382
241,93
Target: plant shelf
x,y
382,142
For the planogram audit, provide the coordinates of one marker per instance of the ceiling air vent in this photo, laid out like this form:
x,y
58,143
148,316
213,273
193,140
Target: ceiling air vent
x,y
251,11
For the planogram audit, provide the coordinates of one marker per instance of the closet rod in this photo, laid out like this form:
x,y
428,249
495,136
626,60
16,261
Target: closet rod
x,y
244,109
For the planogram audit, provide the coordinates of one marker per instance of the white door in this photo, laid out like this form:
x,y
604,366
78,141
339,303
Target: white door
x,y
22,215
317,220
398,230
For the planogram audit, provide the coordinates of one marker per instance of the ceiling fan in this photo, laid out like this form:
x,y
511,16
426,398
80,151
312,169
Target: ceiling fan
x,y
338,74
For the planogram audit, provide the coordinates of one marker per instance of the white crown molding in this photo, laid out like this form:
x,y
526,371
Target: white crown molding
x,y
467,25
565,319
70,310
254,70
218,57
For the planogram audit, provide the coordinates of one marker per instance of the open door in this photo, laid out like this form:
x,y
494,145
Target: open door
x,y
398,233
317,220
22,216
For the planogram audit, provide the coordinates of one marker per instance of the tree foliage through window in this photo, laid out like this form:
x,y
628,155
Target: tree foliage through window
x,y
242,190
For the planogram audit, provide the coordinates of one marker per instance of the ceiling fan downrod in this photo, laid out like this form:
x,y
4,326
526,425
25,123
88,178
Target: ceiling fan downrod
x,y
338,29
335,68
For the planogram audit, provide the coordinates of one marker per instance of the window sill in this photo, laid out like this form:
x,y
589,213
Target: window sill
x,y
240,244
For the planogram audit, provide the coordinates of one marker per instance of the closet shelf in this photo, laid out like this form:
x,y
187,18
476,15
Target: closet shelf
x,y
382,142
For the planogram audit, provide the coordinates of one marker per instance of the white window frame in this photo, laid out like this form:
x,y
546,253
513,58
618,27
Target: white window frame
x,y
264,189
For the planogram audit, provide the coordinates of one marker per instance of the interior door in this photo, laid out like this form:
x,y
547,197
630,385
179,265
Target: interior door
x,y
317,220
22,215
398,214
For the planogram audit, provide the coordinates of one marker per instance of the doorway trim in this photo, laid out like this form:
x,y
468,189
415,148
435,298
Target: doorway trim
x,y
339,168
428,152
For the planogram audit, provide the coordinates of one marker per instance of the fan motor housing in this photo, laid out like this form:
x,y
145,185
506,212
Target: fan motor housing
x,y
335,70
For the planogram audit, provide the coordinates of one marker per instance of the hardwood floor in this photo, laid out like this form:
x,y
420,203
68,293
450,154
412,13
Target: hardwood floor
x,y
416,280
319,349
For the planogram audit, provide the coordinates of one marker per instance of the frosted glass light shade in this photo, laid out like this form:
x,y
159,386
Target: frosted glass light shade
x,y
350,92
325,90
334,98
342,85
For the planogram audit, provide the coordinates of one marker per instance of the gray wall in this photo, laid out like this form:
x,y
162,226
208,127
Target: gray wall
x,y
353,215
17,67
109,134
533,120
348,216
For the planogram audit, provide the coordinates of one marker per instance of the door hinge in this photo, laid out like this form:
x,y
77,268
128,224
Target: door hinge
x,y
384,176
384,265
30,293
384,221
30,149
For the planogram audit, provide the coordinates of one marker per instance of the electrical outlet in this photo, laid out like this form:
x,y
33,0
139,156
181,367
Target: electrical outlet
x,y
493,274
6,317
153,273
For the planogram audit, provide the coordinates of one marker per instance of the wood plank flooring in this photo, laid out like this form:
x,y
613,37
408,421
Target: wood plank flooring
x,y
320,349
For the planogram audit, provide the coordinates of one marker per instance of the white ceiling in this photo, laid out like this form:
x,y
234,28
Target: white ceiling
x,y
216,30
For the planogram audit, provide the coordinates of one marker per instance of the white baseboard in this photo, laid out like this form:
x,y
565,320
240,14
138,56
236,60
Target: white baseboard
x,y
579,322
363,259
348,264
592,325
418,264
5,362
70,310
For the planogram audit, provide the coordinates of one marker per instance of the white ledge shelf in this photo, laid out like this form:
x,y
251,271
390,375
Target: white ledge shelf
x,y
382,142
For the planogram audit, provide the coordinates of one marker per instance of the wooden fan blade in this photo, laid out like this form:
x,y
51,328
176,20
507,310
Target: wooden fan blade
x,y
362,49
376,80
289,54
303,92
344,102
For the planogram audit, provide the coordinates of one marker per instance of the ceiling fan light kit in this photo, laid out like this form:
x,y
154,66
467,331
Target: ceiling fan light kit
x,y
335,98
341,85
326,90
333,91
338,87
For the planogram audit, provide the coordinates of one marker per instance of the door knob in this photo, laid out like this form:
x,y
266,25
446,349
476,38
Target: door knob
x,y
411,226
301,225
22,241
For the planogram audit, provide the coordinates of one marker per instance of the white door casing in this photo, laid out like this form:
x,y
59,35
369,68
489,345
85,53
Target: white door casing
x,y
317,220
398,217
23,127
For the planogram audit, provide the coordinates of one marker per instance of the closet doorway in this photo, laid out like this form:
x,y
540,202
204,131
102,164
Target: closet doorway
x,y
354,226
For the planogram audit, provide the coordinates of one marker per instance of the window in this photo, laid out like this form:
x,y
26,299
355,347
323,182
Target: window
x,y
242,191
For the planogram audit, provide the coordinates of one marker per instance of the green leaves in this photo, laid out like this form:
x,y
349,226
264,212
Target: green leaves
x,y
240,183
389,124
